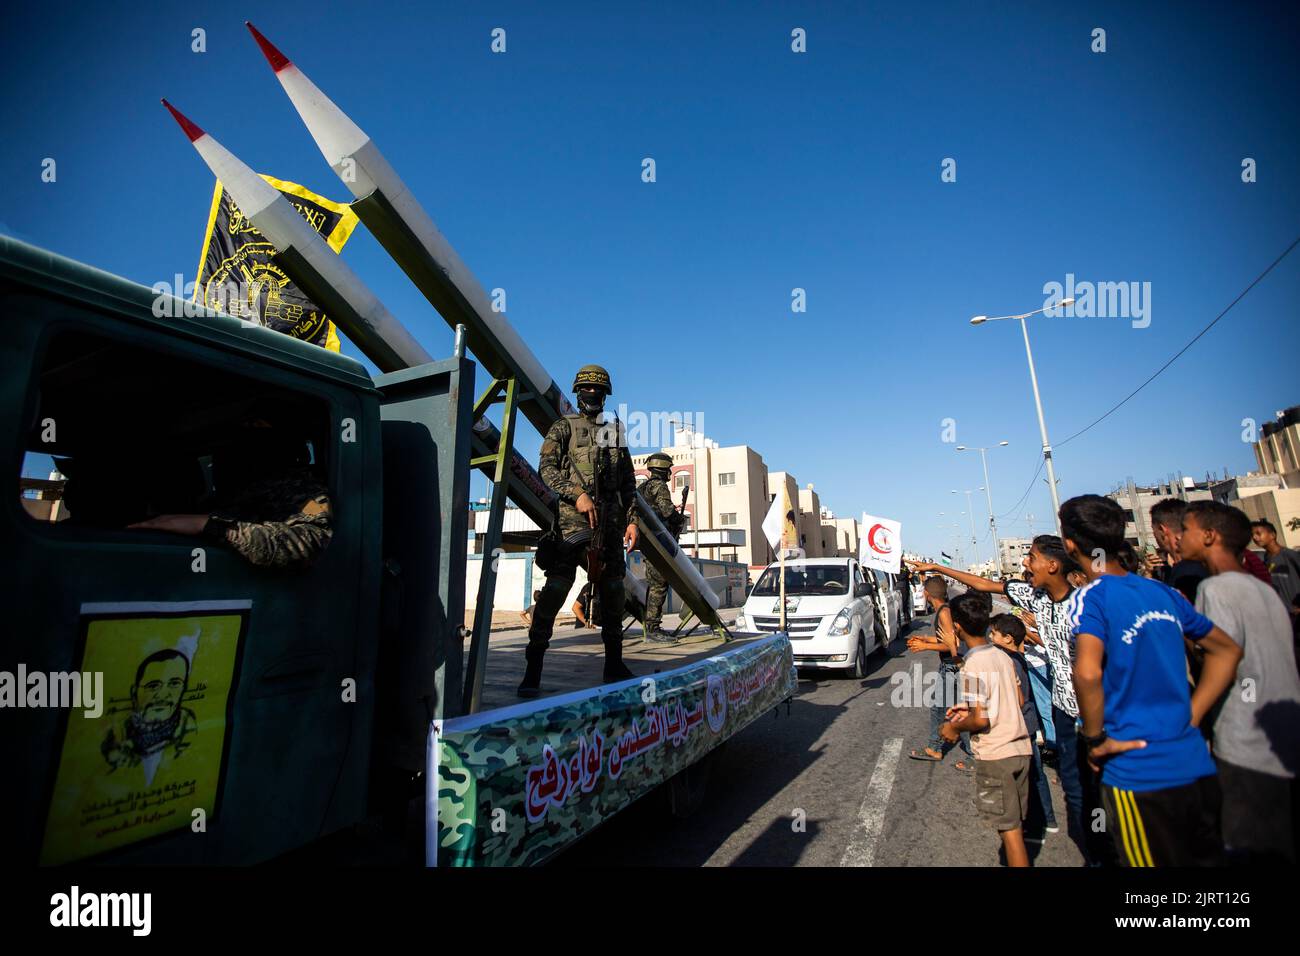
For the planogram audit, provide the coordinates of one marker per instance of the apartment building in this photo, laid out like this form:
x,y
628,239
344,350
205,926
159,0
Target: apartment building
x,y
1278,448
810,522
1137,501
1273,494
839,535
1011,554
728,497
775,481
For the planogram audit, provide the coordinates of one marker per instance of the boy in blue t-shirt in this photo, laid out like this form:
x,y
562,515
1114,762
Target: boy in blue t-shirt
x,y
1140,719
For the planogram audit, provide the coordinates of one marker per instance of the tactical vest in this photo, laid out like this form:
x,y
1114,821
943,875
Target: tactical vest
x,y
582,452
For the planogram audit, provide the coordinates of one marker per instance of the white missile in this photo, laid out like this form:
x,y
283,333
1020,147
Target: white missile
x,y
397,219
390,211
329,282
324,277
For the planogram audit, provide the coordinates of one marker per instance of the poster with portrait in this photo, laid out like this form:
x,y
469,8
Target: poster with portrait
x,y
157,752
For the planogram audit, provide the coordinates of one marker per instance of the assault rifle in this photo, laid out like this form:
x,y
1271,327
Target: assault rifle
x,y
596,547
677,520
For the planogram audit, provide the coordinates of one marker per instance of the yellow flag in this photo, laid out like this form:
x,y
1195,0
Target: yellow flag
x,y
238,273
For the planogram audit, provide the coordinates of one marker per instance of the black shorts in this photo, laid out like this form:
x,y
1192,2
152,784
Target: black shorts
x,y
1257,807
1178,826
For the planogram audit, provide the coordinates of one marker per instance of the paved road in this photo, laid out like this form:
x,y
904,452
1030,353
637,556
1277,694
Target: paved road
x,y
828,785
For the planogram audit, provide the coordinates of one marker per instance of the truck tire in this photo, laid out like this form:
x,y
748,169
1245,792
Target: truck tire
x,y
859,668
882,640
686,790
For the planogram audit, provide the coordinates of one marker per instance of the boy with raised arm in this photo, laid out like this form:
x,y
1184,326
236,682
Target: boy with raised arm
x,y
944,641
1044,595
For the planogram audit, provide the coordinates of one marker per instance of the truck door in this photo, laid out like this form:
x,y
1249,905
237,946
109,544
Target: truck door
x,y
234,714
425,415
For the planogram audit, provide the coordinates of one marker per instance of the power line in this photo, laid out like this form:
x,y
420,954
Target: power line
x,y
1258,279
1016,507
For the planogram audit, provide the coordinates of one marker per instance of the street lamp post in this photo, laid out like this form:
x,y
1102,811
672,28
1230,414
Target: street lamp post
x,y
1038,402
970,513
956,539
988,492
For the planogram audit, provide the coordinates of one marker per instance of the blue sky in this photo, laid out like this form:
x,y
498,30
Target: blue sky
x,y
775,170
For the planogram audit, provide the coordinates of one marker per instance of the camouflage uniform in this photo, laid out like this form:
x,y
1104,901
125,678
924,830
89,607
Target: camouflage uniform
x,y
279,522
573,447
655,491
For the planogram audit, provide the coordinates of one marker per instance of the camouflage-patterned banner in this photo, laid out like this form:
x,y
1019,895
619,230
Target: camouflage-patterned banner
x,y
517,784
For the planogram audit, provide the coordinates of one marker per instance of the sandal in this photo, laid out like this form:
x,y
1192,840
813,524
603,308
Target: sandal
x,y
965,765
925,754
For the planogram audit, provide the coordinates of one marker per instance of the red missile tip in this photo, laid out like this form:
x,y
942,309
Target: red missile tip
x,y
192,131
273,56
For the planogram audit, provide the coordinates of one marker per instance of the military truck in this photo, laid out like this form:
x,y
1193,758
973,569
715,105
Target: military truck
x,y
245,710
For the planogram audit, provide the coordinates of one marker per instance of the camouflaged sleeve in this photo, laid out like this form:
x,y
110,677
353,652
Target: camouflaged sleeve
x,y
659,497
293,543
549,462
627,484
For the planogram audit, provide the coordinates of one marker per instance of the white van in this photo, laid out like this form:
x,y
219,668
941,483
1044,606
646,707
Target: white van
x,y
835,615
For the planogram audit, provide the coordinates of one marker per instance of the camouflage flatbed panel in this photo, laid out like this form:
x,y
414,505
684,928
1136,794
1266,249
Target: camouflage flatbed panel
x,y
512,786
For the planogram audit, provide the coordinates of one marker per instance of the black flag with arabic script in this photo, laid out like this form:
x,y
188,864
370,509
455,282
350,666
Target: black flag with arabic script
x,y
238,274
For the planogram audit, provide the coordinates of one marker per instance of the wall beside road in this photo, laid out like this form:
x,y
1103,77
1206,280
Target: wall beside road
x,y
518,577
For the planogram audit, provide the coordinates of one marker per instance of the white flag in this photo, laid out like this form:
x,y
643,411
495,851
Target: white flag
x,y
881,546
779,525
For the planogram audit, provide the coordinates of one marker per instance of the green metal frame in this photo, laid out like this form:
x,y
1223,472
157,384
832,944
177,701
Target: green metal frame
x,y
498,460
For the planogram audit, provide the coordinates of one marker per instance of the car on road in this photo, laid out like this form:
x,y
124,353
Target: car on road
x,y
918,596
836,613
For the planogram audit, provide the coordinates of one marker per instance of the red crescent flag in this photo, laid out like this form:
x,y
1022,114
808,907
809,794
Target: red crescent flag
x,y
881,544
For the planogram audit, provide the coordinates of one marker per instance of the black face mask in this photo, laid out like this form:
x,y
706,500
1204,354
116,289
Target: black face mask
x,y
660,473
591,403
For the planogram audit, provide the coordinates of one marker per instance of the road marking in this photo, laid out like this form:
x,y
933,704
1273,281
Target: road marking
x,y
871,815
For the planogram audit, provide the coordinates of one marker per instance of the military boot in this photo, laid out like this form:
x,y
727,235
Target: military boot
x,y
657,636
615,669
531,685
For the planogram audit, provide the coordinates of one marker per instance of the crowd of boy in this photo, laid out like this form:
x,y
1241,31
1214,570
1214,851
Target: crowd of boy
x,y
1166,690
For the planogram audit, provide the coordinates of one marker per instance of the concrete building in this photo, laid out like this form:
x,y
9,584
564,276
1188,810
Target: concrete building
x,y
1137,501
810,522
729,495
1273,493
42,498
775,481
840,536
1278,448
1011,557
1264,498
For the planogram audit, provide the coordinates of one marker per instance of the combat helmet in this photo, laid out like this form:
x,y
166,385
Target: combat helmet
x,y
593,375
659,461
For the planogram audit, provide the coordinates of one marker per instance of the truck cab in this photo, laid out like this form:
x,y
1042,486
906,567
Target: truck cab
x,y
245,709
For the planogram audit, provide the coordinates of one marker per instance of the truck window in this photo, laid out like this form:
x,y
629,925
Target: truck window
x,y
121,433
